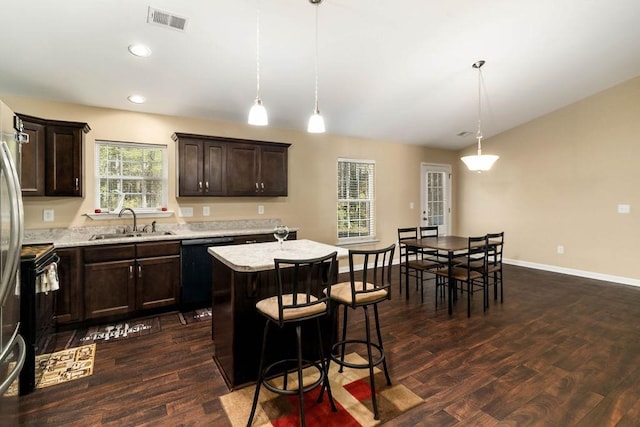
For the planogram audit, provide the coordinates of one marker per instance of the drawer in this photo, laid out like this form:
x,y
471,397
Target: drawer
x,y
153,249
104,253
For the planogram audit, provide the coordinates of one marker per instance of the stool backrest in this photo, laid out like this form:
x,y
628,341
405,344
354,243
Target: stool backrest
x,y
305,280
374,275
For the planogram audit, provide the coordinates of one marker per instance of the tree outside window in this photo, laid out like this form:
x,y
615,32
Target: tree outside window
x,y
131,175
356,204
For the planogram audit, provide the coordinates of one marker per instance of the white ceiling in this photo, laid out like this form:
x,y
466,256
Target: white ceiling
x,y
390,70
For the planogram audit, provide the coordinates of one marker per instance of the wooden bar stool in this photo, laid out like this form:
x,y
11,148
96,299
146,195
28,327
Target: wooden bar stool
x,y
366,287
303,292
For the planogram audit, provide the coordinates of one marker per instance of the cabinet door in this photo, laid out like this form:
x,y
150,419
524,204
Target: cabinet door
x,y
242,170
69,298
64,161
158,282
109,288
215,169
273,171
190,168
33,160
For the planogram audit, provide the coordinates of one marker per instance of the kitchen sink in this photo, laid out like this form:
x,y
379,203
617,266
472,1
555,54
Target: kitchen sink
x,y
107,236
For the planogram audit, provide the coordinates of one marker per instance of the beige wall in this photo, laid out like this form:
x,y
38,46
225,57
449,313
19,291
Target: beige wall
x,y
559,180
311,204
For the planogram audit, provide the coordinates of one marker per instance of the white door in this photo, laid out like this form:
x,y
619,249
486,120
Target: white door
x,y
435,197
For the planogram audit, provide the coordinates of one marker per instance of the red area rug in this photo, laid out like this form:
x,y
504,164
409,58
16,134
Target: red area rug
x,y
351,393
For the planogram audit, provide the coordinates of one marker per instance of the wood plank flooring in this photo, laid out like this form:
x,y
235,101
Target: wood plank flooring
x,y
560,351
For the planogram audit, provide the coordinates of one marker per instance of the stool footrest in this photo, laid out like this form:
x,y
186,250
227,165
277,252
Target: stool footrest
x,y
278,390
374,362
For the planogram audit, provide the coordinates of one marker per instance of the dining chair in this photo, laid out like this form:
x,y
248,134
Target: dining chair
x,y
430,261
494,263
465,270
303,292
413,263
369,284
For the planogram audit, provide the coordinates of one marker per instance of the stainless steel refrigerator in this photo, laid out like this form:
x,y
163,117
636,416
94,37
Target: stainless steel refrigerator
x,y
12,346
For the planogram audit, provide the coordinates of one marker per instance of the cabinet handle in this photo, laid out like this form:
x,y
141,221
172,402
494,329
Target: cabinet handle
x,y
206,186
77,184
262,185
251,241
257,188
131,272
139,272
200,185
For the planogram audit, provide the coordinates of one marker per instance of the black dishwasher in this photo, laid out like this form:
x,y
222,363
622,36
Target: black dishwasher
x,y
197,271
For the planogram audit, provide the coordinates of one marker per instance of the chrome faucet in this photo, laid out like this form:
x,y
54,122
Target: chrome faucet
x,y
135,226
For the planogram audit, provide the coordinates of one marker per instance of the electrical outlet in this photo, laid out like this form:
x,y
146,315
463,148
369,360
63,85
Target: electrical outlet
x,y
48,215
560,249
206,211
260,209
624,209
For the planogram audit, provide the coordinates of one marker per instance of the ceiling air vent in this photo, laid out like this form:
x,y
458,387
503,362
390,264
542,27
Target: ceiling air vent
x,y
166,19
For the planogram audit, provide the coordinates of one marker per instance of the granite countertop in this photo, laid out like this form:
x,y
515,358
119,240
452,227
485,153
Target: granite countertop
x,y
79,236
260,256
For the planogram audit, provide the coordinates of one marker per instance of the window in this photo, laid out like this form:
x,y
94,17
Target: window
x,y
130,175
356,208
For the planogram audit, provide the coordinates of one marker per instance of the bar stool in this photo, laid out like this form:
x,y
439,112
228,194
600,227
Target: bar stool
x,y
301,296
366,287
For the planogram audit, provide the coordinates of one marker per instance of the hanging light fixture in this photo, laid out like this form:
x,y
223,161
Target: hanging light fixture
x,y
316,122
479,162
258,114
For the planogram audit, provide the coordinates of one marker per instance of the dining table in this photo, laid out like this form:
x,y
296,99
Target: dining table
x,y
452,245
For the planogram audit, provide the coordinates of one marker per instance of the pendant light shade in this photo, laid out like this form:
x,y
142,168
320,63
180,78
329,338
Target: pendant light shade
x,y
479,162
316,122
258,114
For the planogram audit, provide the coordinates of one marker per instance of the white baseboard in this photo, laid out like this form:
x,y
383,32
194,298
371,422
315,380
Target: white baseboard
x,y
574,272
553,268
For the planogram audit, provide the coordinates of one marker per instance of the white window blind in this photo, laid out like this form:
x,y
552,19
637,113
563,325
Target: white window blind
x,y
356,200
131,175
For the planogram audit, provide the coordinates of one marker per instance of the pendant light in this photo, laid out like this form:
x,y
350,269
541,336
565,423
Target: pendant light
x,y
258,114
316,122
479,162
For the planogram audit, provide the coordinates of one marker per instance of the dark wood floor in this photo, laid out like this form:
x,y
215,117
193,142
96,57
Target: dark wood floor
x,y
560,351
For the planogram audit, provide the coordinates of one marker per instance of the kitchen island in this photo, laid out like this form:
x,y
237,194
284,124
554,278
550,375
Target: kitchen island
x,y
243,275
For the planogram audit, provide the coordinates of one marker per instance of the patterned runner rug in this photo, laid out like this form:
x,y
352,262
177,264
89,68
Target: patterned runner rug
x,y
351,393
199,315
115,331
60,367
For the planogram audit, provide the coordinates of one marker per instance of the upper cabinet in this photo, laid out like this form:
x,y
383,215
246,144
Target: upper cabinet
x,y
216,166
52,160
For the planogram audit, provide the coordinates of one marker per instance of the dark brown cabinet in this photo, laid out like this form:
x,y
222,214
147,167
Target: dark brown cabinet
x,y
256,170
203,166
33,155
123,279
52,160
109,280
261,238
69,300
158,279
216,166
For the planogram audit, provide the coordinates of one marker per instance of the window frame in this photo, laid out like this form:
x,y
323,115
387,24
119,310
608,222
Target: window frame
x,y
164,192
370,200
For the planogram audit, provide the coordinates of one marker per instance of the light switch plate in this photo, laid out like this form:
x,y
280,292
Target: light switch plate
x,y
48,215
624,209
260,209
186,212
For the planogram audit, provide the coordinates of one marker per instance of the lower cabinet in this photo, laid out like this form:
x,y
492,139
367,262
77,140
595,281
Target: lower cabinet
x,y
123,279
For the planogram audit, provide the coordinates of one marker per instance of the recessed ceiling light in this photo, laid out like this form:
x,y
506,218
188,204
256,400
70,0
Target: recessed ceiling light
x,y
139,50
137,99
